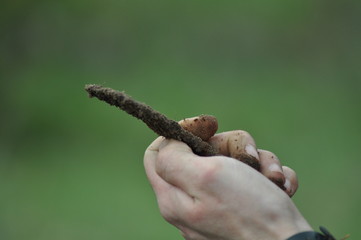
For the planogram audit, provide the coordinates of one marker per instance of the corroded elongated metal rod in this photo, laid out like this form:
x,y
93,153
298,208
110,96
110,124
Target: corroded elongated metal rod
x,y
155,120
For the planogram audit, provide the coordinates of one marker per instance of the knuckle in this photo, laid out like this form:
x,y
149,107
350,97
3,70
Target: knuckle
x,y
265,152
209,172
272,155
242,133
268,156
240,138
195,214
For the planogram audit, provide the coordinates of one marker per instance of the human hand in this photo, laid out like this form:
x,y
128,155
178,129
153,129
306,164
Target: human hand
x,y
219,197
241,146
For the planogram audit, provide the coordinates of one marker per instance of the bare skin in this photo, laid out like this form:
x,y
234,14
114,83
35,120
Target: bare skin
x,y
239,145
219,197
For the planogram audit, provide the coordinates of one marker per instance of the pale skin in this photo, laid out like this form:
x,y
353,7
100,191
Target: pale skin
x,y
221,198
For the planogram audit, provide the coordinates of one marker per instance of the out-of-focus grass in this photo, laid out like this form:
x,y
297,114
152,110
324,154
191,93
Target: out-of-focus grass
x,y
71,167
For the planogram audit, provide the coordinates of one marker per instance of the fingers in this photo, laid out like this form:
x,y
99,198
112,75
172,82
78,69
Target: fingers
x,y
150,156
179,166
203,126
282,176
165,160
176,164
171,200
271,167
291,181
240,145
237,144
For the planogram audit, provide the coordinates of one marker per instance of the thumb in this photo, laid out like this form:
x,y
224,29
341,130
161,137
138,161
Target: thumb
x,y
203,126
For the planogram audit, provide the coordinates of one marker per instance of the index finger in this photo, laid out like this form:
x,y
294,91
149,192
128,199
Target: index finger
x,y
150,156
237,144
180,167
171,200
203,126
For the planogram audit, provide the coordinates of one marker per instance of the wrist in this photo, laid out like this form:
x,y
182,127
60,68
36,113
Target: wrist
x,y
291,226
311,235
301,226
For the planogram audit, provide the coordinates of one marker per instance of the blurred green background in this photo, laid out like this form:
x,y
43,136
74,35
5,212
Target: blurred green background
x,y
71,167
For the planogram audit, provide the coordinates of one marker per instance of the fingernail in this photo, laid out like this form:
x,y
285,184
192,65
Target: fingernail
x,y
274,168
163,143
251,150
287,184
